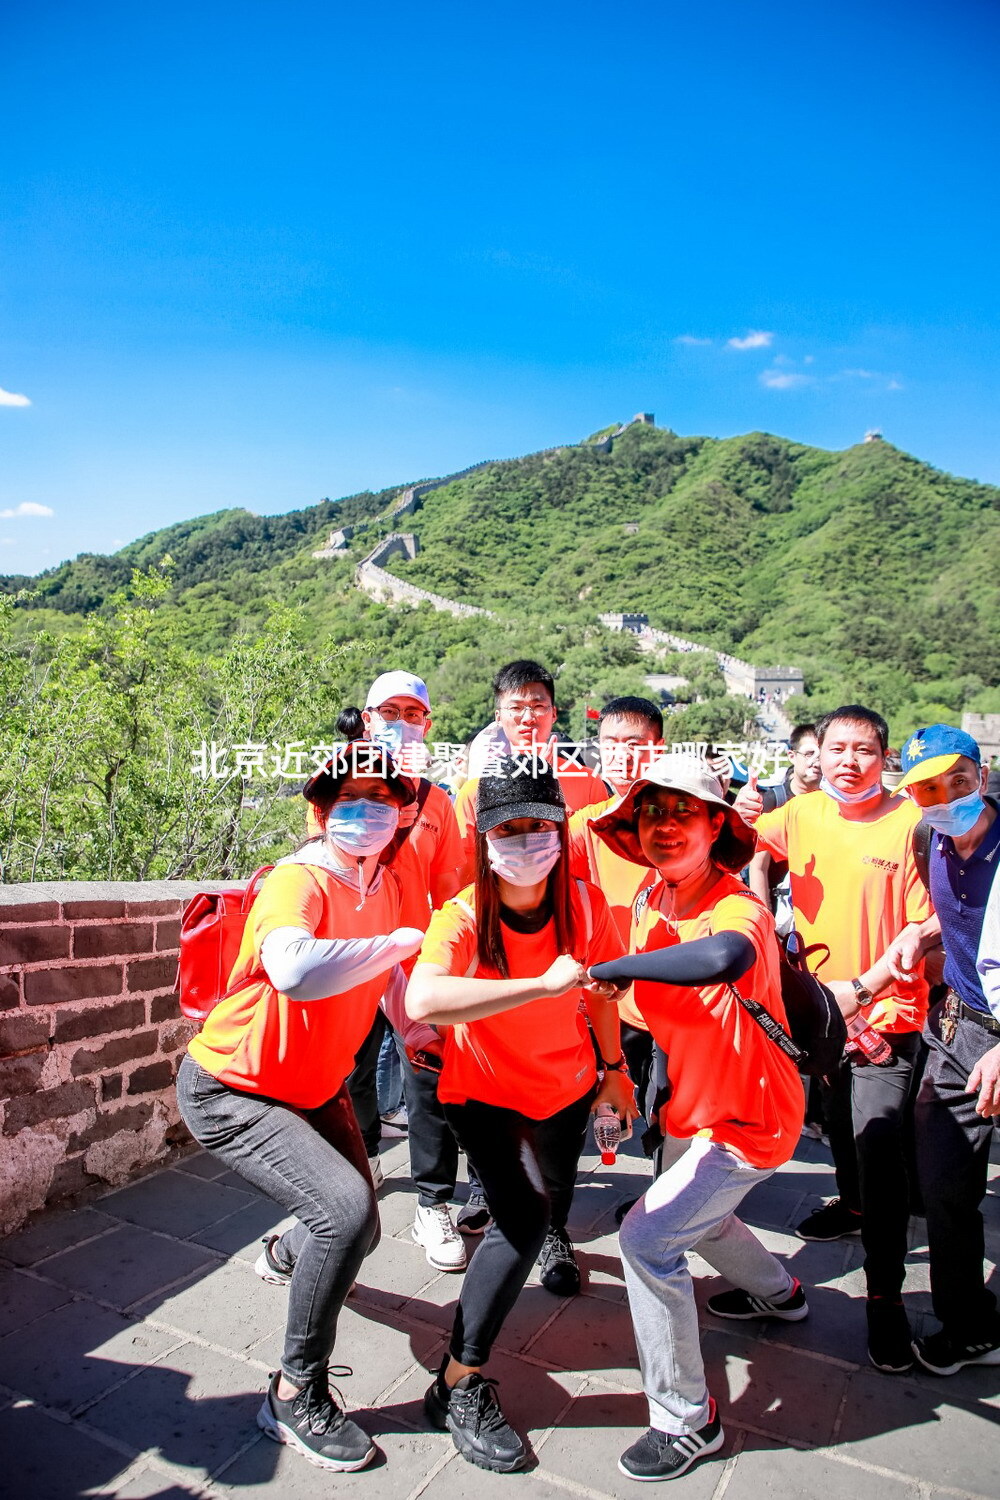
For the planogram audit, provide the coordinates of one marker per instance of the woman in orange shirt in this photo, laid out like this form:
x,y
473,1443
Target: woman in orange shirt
x,y
504,968
735,1103
263,1085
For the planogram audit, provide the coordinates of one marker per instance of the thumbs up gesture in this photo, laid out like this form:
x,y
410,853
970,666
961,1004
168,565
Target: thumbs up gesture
x,y
750,801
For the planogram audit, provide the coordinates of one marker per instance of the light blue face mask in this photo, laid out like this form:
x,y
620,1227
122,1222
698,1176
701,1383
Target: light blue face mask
x,y
849,797
361,828
955,818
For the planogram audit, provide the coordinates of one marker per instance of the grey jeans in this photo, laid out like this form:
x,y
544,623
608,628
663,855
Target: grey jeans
x,y
313,1162
690,1206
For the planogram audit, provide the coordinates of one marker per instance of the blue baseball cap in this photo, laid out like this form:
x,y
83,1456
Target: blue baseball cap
x,y
933,750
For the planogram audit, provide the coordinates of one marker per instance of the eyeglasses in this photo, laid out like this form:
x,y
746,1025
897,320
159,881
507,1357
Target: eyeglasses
x,y
414,715
654,812
537,710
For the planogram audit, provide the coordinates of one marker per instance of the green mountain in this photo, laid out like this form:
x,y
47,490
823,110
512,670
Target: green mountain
x,y
872,571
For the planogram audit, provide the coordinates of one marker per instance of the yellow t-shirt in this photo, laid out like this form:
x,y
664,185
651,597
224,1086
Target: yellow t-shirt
x,y
619,880
728,1079
298,1051
855,885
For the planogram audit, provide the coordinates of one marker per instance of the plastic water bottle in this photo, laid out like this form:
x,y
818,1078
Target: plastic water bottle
x,y
867,1040
607,1133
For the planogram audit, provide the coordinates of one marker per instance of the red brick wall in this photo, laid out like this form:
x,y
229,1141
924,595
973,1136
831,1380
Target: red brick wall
x,y
91,1036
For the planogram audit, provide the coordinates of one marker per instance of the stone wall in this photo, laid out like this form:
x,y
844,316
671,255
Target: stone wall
x,y
90,1036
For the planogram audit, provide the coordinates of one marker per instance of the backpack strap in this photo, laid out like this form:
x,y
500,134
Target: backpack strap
x,y
923,836
779,1036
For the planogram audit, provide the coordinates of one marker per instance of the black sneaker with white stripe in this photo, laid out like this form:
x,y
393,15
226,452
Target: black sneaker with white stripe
x,y
739,1304
945,1356
668,1455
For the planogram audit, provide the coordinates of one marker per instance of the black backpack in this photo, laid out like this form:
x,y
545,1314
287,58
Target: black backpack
x,y
817,1031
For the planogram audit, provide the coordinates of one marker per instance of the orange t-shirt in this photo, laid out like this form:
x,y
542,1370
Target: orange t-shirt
x,y
537,1058
728,1079
580,788
855,885
619,880
298,1051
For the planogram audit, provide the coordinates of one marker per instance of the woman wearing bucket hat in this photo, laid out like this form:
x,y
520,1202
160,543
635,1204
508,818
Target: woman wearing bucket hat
x,y
504,968
735,1104
263,1084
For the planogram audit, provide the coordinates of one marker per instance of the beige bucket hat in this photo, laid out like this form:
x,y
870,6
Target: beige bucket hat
x,y
677,773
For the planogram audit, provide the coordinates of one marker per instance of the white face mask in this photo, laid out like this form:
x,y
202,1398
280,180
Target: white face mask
x,y
523,858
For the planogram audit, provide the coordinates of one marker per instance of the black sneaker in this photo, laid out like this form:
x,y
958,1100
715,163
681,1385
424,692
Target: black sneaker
x,y
471,1412
313,1423
267,1265
945,1356
474,1216
559,1271
834,1221
667,1455
889,1335
739,1304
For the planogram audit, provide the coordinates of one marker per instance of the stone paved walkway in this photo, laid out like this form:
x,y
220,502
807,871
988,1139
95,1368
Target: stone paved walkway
x,y
135,1342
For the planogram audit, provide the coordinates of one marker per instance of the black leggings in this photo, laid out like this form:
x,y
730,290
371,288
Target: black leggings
x,y
528,1171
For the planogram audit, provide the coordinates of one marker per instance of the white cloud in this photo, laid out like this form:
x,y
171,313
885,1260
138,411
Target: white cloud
x,y
784,380
894,385
859,374
27,508
692,340
755,339
809,359
11,398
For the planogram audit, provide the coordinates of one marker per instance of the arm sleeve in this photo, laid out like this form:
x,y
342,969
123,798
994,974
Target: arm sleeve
x,y
724,955
988,962
307,968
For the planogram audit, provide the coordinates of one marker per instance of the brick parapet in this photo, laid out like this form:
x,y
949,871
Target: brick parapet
x,y
91,1035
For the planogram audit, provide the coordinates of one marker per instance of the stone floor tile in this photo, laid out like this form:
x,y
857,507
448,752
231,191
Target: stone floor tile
x,y
592,1336
203,1164
836,1324
197,1408
777,1391
239,1235
813,1262
24,1298
905,1424
53,1232
394,1271
126,1265
229,1306
772,1205
275,1470
76,1352
150,1483
55,1460
769,1471
976,1385
175,1202
591,1437
533,1308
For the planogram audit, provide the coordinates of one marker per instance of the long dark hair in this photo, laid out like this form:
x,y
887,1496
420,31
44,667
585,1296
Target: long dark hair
x,y
489,935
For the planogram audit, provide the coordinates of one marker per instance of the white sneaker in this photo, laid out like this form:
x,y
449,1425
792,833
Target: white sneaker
x,y
396,1122
378,1176
433,1229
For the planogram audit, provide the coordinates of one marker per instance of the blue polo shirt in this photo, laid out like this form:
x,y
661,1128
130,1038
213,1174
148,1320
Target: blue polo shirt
x,y
960,889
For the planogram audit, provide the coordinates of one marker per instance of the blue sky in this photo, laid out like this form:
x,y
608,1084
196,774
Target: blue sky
x,y
258,254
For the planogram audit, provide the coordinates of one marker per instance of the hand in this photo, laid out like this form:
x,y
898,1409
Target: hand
x,y
985,1077
903,953
565,974
604,989
618,1090
749,801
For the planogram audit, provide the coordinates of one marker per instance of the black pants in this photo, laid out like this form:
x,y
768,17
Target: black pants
x,y
953,1147
882,1102
528,1171
361,1085
637,1046
433,1147
837,1107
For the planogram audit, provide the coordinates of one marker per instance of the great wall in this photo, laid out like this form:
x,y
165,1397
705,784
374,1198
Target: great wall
x,y
768,686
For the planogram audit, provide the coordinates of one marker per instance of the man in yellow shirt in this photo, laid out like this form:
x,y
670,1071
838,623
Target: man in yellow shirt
x,y
855,886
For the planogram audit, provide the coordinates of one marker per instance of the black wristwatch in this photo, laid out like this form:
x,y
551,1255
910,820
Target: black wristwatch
x,y
616,1067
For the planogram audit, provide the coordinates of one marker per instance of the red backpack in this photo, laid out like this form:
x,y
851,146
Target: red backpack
x,y
211,933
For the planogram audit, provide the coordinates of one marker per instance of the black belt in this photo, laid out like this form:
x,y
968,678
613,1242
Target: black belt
x,y
968,1013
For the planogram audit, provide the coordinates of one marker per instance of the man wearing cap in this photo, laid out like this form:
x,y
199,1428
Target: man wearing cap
x,y
397,716
959,1099
855,886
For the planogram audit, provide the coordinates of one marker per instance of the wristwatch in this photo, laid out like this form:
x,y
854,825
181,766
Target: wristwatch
x,y
616,1067
865,996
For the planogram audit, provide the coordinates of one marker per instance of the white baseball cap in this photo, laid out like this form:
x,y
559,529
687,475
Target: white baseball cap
x,y
398,685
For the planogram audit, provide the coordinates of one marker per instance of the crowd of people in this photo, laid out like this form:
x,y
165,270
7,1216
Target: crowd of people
x,y
558,942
